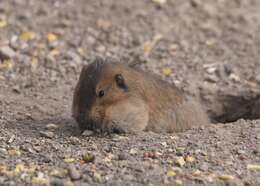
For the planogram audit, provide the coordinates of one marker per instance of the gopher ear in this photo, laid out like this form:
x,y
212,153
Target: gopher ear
x,y
120,81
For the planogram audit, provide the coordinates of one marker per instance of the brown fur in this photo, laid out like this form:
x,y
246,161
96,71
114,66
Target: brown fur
x,y
147,103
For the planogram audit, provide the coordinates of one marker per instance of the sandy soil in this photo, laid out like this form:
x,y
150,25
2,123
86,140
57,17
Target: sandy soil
x,y
209,49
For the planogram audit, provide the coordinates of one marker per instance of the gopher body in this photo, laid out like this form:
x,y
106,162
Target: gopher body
x,y
114,97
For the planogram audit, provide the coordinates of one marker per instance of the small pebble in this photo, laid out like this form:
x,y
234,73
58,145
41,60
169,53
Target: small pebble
x,y
104,24
204,166
189,159
69,183
101,49
40,181
57,182
3,151
74,57
178,182
69,160
133,151
256,152
212,78
210,42
171,173
242,157
166,71
241,152
160,1
225,177
3,23
196,173
6,53
180,161
87,133
179,151
211,70
97,177
52,37
228,69
178,170
164,144
149,155
109,157
234,77
122,156
257,78
73,172
14,152
47,134
74,140
16,89
88,158
27,36
174,47
253,167
57,173
51,127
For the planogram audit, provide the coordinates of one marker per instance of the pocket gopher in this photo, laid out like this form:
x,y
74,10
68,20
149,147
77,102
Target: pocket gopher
x,y
113,97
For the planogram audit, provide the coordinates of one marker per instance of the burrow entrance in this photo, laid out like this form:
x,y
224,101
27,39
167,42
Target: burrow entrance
x,y
225,108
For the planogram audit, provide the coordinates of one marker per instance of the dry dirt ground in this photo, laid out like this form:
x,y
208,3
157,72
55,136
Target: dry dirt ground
x,y
210,49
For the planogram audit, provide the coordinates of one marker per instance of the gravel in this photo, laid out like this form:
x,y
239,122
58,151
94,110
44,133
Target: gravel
x,y
208,49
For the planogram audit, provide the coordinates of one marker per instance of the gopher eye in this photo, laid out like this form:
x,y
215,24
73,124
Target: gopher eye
x,y
101,93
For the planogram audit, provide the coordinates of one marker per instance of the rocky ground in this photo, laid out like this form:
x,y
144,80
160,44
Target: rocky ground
x,y
210,49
